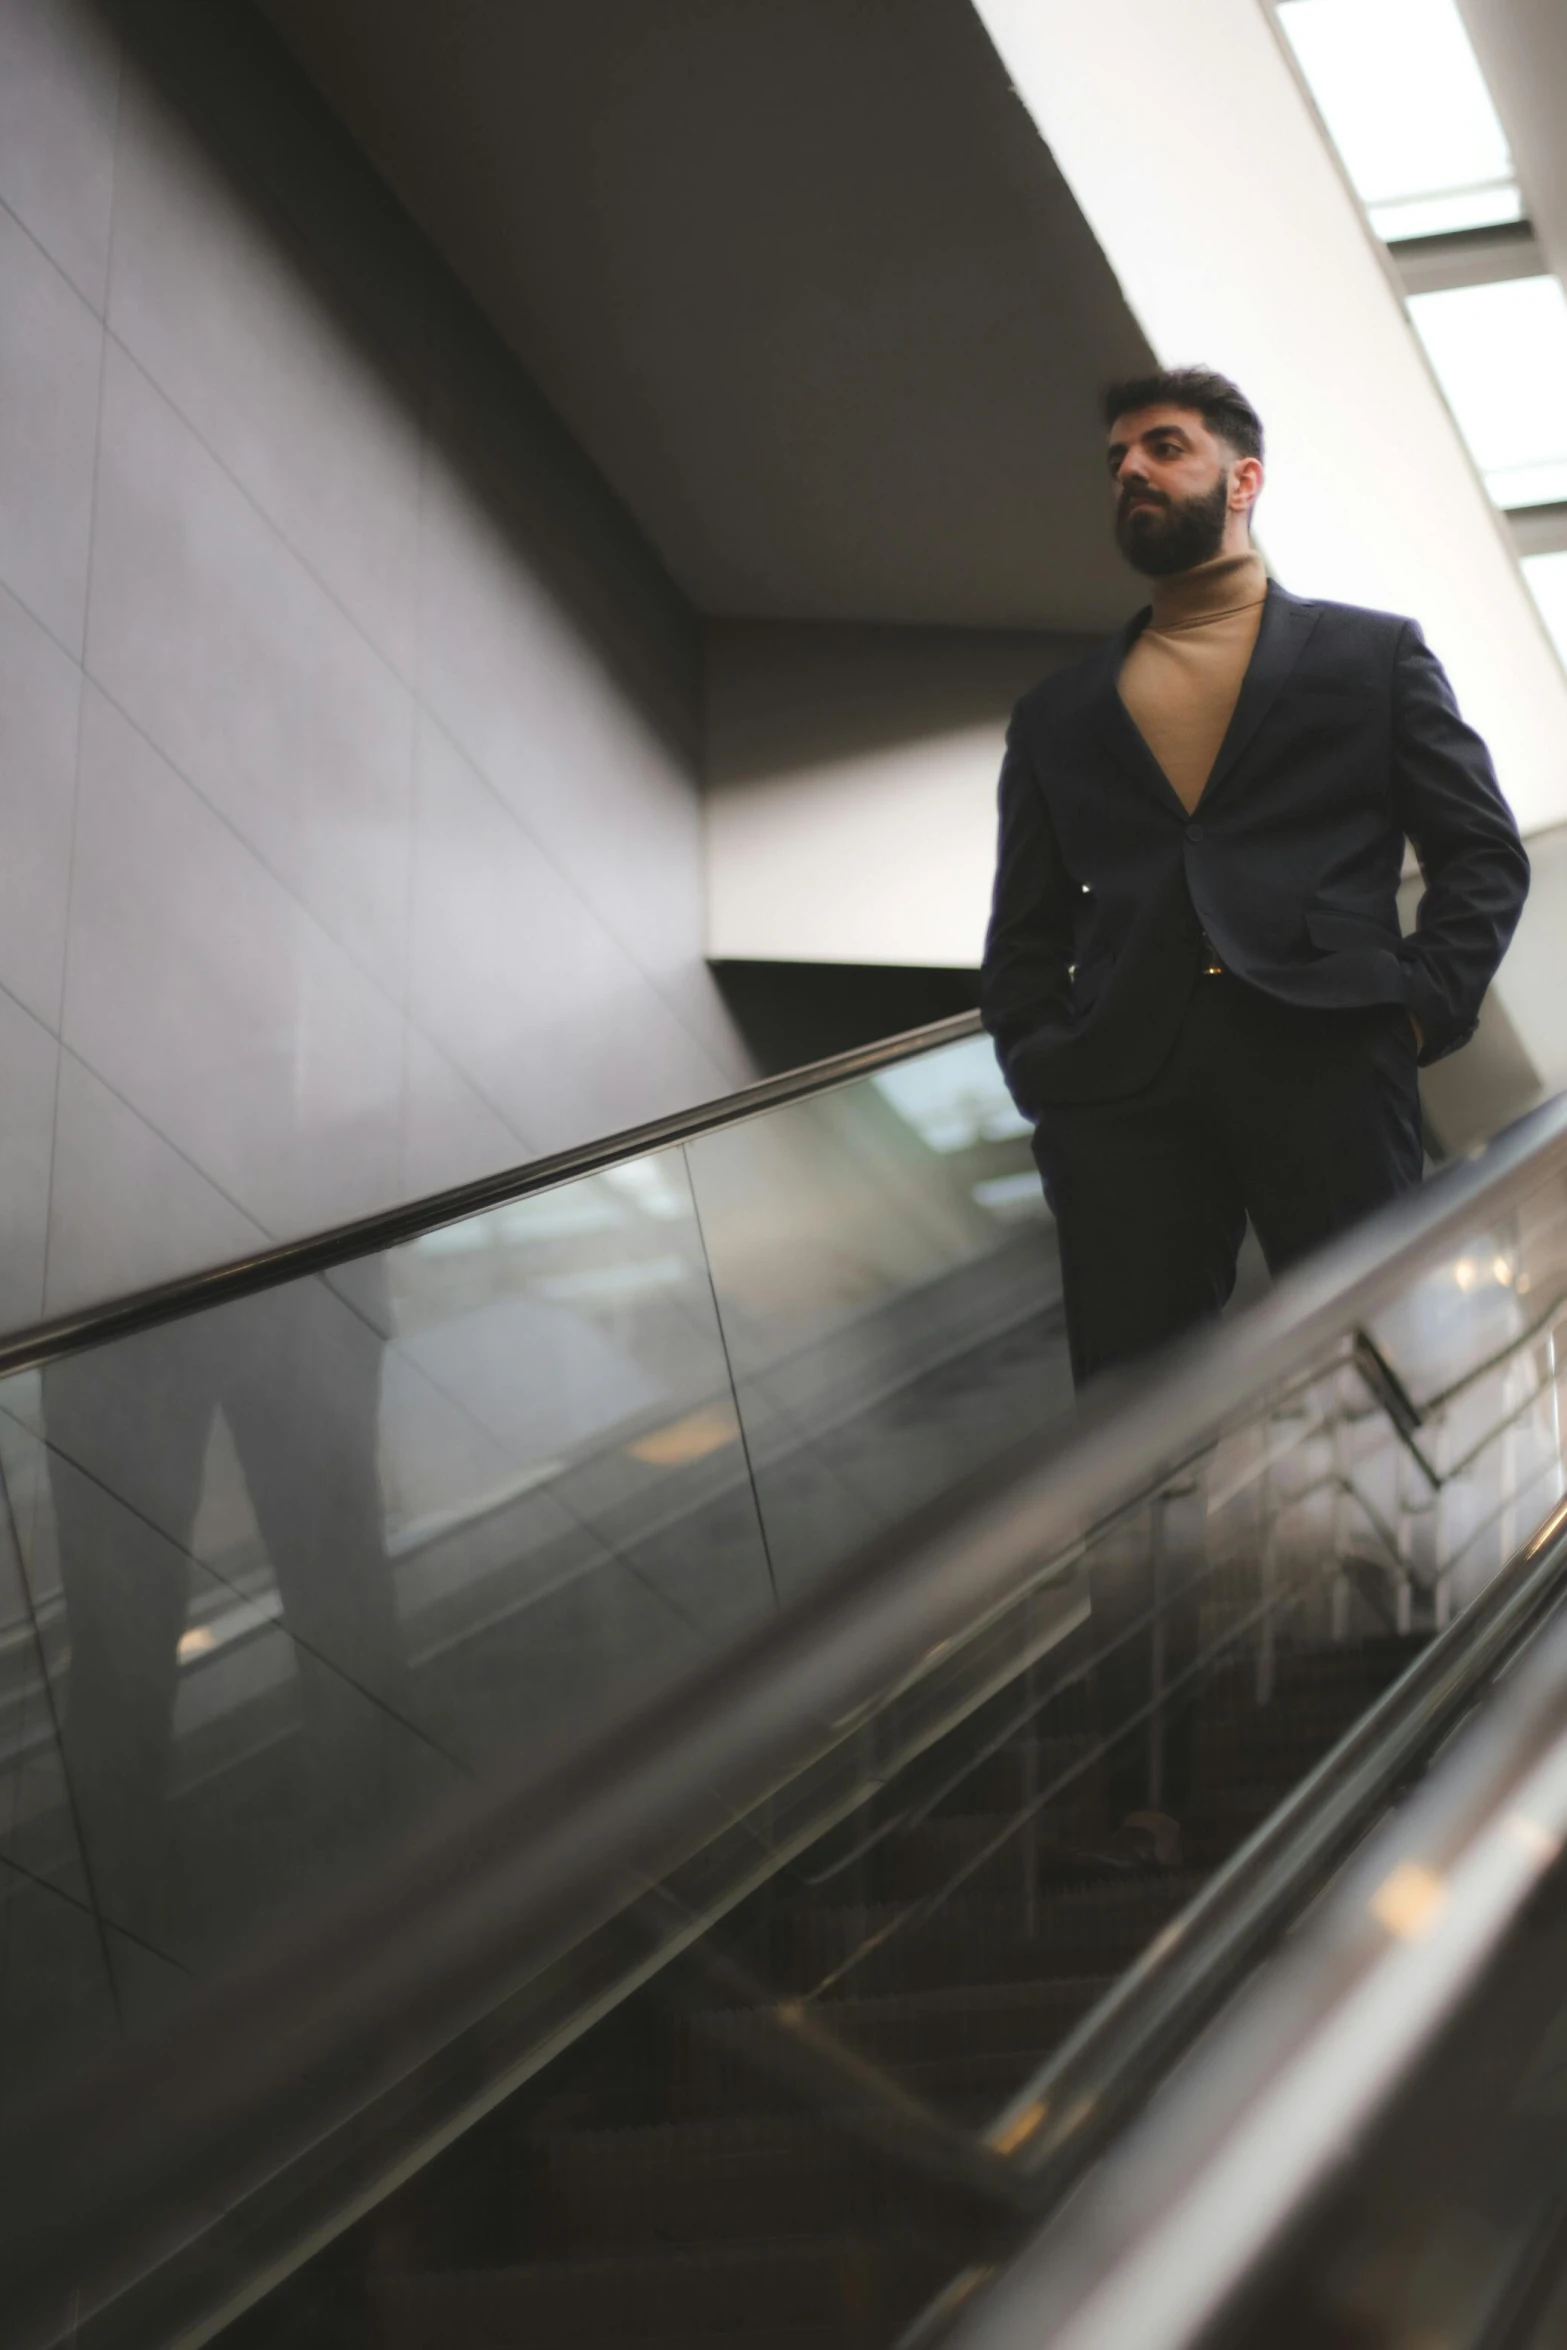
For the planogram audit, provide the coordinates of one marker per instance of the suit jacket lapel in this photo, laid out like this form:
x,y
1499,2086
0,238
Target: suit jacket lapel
x,y
1287,622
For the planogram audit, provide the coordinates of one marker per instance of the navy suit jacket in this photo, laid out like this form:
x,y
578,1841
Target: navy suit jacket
x,y
1345,742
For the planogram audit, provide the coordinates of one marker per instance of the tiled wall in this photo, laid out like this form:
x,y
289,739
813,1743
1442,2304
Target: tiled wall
x,y
349,815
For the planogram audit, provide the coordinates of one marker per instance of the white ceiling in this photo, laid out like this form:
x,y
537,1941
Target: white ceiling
x,y
1522,46
1253,250
803,280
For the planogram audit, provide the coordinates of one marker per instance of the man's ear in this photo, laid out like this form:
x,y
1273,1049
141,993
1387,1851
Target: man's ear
x,y
1246,482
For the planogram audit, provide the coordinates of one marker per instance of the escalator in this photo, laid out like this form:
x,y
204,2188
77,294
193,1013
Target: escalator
x,y
607,1838
354,1524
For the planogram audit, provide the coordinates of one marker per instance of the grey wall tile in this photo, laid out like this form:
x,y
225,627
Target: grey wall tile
x,y
245,673
228,511
255,108
492,421
520,983
126,1210
28,1060
450,1133
692,994
258,355
40,699
535,707
59,74
211,1002
49,368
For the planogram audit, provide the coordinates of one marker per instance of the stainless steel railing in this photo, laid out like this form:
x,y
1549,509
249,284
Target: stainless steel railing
x,y
1181,2214
318,2031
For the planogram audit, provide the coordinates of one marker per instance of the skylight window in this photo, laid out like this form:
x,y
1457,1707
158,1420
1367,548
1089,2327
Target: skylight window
x,y
1547,576
1500,354
1401,91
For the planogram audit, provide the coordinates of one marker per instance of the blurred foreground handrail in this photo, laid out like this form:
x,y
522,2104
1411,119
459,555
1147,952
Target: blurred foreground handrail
x,y
1158,2244
106,2174
1079,2097
344,1244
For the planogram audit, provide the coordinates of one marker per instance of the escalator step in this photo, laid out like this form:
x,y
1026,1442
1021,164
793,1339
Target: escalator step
x,y
926,1858
948,2043
755,2294
1085,1929
1022,1767
711,2181
696,2192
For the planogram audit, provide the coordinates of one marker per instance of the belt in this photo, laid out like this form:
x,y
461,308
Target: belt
x,y
1212,968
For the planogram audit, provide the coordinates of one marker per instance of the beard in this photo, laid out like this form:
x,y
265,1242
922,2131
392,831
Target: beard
x,y
1172,534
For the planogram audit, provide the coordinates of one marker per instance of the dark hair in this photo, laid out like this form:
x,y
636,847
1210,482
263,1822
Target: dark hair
x,y
1223,406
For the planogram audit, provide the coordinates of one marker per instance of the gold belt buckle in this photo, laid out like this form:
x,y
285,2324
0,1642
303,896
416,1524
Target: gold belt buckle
x,y
1213,968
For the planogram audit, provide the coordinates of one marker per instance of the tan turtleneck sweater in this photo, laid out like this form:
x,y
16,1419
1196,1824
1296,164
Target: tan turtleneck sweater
x,y
1182,676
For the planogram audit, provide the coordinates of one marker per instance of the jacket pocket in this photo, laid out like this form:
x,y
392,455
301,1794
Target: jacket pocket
x,y
1340,929
1088,980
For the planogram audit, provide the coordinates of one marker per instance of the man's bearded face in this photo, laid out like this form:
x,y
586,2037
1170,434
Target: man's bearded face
x,y
1159,534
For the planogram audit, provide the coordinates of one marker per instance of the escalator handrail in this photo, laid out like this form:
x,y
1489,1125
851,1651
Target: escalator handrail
x,y
1077,2100
342,1244
257,2064
1160,2244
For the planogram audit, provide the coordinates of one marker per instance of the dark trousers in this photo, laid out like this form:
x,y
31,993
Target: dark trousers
x,y
1301,1120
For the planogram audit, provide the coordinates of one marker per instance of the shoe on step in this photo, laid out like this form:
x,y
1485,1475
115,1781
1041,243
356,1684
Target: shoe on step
x,y
1150,1840
1145,1843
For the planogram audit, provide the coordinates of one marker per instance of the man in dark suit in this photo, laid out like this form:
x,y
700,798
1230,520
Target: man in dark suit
x,y
1194,973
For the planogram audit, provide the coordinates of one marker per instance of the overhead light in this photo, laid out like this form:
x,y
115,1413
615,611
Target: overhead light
x,y
1547,577
1399,86
1500,354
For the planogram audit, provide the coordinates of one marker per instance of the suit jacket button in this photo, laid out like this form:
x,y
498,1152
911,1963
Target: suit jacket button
x,y
1194,832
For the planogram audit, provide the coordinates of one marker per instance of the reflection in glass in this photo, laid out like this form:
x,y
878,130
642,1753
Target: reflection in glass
x,y
886,1274
292,1568
568,1498
304,1560
178,1675
818,2092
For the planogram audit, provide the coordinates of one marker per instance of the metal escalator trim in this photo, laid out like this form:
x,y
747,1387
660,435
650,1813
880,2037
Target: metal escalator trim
x,y
1526,2289
1231,2154
1385,1383
1530,2289
1066,2112
365,1236
1331,1479
1541,1322
264,2061
1005,2134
